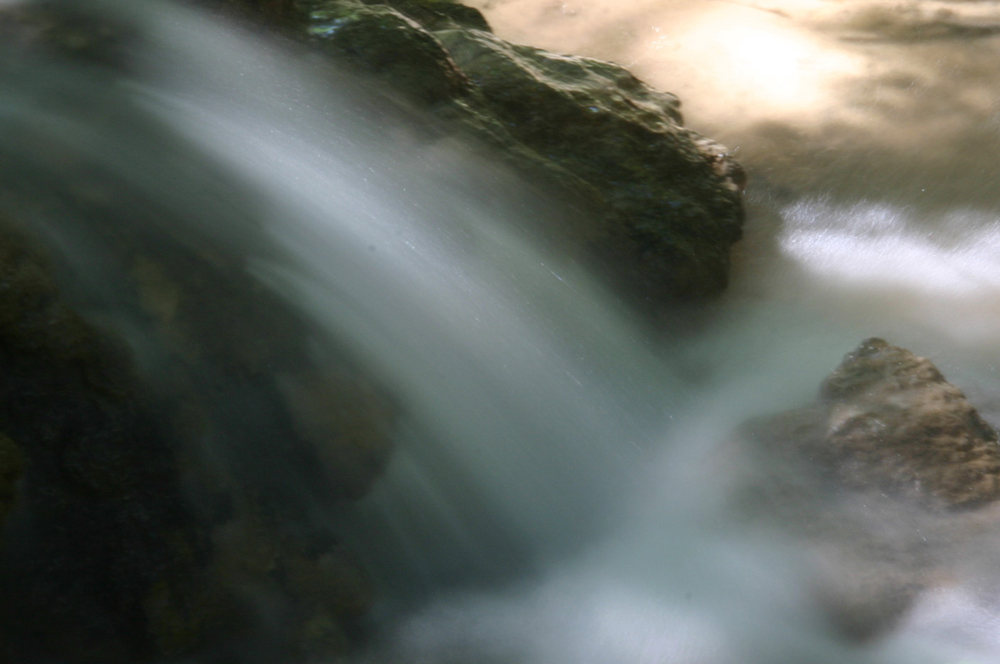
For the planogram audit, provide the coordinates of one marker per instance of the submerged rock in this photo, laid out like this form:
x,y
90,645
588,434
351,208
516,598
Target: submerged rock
x,y
100,515
136,456
155,396
11,468
661,204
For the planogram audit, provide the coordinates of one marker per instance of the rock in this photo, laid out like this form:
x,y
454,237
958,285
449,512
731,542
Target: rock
x,y
316,592
662,204
347,421
670,198
100,514
182,436
887,421
864,592
393,47
65,31
275,15
883,480
276,12
330,589
11,468
130,473
159,395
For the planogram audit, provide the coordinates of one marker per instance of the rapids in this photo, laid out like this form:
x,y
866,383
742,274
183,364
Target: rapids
x,y
553,497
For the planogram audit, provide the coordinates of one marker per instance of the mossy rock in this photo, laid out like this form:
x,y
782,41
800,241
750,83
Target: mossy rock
x,y
662,204
141,364
437,14
671,202
99,489
392,46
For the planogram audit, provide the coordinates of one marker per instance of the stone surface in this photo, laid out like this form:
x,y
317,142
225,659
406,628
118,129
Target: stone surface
x,y
887,482
173,436
660,204
100,514
887,420
393,47
11,468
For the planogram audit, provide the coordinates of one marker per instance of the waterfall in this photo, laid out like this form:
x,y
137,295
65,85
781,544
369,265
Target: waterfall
x,y
557,493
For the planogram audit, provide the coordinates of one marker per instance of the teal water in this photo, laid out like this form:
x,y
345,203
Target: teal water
x,y
558,493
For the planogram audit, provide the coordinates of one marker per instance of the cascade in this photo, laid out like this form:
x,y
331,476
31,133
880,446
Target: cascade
x,y
558,490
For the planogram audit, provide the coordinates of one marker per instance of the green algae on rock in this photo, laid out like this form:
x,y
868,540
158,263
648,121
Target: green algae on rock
x,y
394,47
663,203
142,368
131,475
98,449
100,508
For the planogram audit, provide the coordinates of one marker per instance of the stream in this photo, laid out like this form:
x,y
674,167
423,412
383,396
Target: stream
x,y
560,492
870,133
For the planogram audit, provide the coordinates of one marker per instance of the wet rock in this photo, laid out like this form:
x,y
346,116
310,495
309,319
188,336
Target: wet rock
x,y
315,592
159,395
887,421
100,515
660,205
65,30
864,592
275,12
131,473
347,422
11,468
330,590
257,431
182,436
394,47
884,480
669,198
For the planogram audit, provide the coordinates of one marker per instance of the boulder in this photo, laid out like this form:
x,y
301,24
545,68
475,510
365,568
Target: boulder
x,y
99,515
11,468
660,205
173,435
888,479
887,421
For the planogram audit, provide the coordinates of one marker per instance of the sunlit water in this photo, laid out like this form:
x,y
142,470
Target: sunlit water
x,y
870,133
558,492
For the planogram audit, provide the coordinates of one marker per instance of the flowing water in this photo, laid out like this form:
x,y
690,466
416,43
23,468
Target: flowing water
x,y
558,491
869,130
